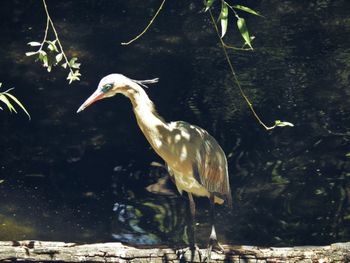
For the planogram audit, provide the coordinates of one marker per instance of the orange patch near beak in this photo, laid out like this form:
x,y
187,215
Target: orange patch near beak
x,y
97,95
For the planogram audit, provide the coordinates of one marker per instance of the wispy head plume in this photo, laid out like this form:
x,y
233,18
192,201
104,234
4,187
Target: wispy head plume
x,y
146,81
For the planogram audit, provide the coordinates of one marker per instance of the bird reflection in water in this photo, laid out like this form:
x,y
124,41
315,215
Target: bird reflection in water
x,y
149,221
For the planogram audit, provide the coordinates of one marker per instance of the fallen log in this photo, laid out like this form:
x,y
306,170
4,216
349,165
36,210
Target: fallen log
x,y
46,251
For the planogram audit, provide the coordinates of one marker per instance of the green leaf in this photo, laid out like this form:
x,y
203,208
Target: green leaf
x,y
283,123
73,64
59,58
76,66
72,61
34,44
72,76
224,18
7,102
208,4
30,53
42,55
18,103
242,27
45,61
64,65
52,45
246,9
42,52
347,155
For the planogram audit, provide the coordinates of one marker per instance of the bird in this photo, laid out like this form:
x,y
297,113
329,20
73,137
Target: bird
x,y
195,161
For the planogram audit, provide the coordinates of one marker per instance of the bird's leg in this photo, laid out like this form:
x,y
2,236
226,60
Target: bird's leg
x,y
191,234
213,241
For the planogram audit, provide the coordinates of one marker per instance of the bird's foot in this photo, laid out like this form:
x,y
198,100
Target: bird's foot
x,y
195,249
196,254
214,245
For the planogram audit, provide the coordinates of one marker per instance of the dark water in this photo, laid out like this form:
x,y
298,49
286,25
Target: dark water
x,y
83,177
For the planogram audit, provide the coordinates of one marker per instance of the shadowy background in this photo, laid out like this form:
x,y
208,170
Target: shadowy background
x,y
83,177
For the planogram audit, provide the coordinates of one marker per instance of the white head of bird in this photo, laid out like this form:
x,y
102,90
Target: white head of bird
x,y
113,84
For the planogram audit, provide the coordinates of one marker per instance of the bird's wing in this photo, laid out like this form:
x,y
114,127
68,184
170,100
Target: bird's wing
x,y
209,162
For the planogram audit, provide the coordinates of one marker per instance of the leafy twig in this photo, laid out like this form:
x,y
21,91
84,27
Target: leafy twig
x,y
241,24
146,28
277,122
6,98
72,65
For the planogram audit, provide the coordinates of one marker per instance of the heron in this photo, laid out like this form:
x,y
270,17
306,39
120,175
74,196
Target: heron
x,y
195,161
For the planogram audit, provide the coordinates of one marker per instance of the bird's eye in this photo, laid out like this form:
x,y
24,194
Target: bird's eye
x,y
106,87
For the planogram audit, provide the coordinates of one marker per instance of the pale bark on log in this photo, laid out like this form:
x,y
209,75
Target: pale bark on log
x,y
46,251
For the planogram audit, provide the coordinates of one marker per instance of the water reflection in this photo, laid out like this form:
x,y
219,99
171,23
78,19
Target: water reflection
x,y
149,215
153,221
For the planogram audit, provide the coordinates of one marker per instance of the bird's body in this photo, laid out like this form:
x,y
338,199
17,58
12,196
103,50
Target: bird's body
x,y
185,148
195,161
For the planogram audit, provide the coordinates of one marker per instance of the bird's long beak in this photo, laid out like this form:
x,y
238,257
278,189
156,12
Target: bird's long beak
x,y
97,95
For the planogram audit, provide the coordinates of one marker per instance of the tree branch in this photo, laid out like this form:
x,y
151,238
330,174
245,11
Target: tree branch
x,y
41,251
146,28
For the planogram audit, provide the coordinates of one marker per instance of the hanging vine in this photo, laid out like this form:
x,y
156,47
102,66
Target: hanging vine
x,y
247,45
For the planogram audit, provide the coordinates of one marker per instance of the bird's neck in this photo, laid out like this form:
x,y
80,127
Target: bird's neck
x,y
148,119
